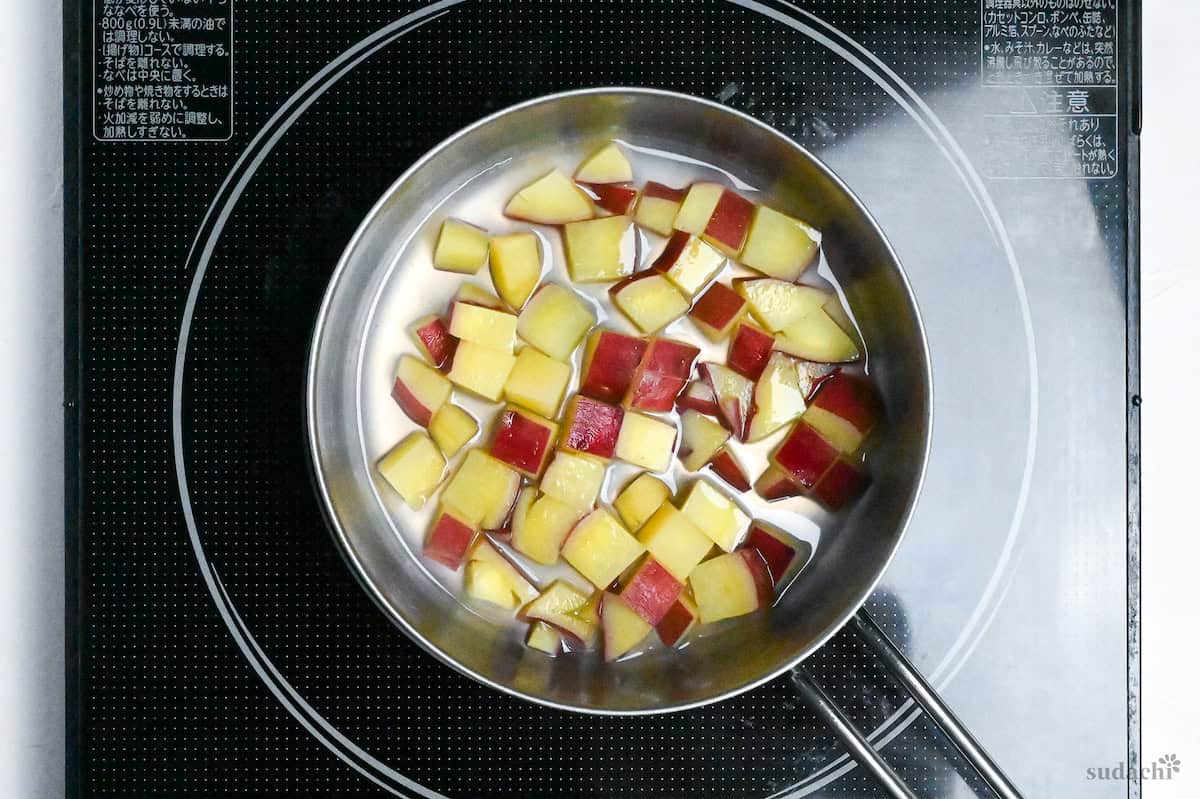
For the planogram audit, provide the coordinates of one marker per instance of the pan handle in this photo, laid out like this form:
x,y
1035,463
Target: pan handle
x,y
923,694
851,737
934,706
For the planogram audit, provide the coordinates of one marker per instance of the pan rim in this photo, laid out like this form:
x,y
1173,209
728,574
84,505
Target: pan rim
x,y
340,536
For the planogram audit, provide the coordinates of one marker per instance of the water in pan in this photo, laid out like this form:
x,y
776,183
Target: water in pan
x,y
413,288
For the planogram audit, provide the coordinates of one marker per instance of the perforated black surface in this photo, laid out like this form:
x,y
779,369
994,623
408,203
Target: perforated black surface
x,y
168,703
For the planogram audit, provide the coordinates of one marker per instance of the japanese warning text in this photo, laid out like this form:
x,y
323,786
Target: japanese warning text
x,y
163,70
1051,68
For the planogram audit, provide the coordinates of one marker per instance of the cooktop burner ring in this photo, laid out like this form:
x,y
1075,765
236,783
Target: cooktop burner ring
x,y
292,111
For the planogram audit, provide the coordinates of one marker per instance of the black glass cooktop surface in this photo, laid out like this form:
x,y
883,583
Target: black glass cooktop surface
x,y
223,154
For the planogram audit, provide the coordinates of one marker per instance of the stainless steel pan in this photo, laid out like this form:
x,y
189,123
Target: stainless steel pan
x,y
382,282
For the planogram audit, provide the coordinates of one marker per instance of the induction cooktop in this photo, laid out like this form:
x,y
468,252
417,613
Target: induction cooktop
x,y
221,154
